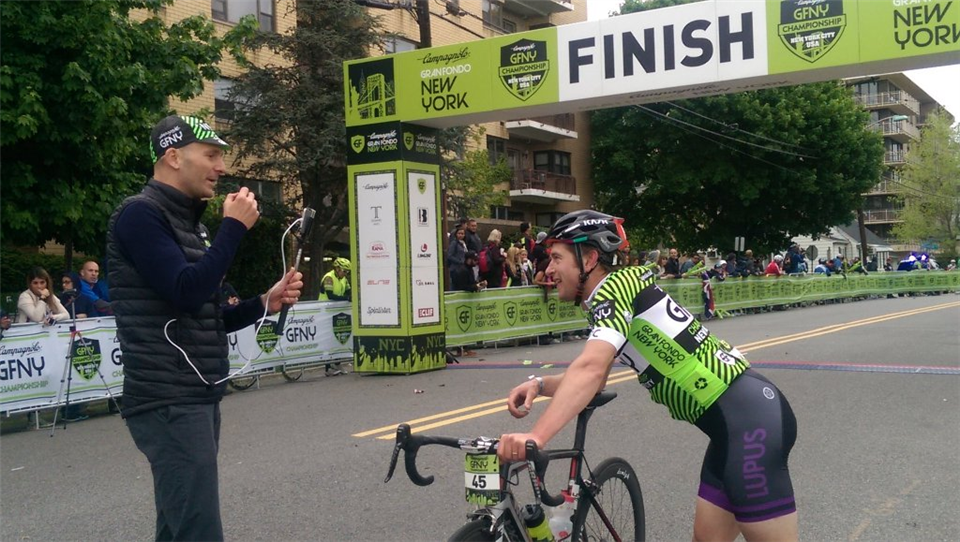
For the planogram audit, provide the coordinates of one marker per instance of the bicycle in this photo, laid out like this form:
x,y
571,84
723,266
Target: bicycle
x,y
608,503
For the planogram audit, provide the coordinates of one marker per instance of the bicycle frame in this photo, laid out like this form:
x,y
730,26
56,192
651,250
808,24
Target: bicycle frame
x,y
507,509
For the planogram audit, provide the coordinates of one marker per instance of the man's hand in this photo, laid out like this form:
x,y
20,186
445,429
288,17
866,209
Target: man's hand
x,y
242,206
513,446
284,292
520,400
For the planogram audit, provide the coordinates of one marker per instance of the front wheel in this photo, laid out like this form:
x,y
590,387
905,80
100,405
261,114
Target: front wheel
x,y
477,530
611,508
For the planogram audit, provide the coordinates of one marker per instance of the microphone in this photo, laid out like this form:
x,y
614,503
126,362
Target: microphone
x,y
306,222
306,225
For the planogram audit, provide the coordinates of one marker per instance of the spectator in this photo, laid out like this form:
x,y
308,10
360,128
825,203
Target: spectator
x,y
952,266
335,285
731,261
457,248
539,251
77,305
37,303
526,238
747,266
512,266
472,239
526,269
461,225
706,292
463,277
228,295
690,266
671,269
775,269
496,259
822,269
5,322
801,258
888,264
662,266
165,276
791,262
856,266
94,289
838,263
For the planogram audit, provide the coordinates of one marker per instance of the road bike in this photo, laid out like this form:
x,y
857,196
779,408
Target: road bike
x,y
607,501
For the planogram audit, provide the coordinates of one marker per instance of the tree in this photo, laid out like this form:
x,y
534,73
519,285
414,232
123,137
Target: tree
x,y
766,165
930,185
81,85
288,125
468,178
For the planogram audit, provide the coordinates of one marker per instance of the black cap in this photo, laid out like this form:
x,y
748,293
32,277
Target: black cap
x,y
175,132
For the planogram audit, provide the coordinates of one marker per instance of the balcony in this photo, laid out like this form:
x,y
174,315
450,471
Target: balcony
x,y
898,102
885,186
538,8
542,187
894,158
544,129
902,131
881,216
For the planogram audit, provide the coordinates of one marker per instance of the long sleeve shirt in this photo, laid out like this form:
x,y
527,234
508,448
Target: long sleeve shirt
x,y
31,308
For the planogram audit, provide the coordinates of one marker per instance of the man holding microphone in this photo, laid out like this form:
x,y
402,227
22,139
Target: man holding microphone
x,y
165,274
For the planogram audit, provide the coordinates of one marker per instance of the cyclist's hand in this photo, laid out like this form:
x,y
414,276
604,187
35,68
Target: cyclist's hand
x,y
521,398
513,446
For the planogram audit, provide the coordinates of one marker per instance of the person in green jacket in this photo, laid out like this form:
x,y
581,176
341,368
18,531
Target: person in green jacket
x,y
335,285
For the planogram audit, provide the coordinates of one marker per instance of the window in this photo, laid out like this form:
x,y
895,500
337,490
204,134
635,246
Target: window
x,y
496,149
232,11
552,161
493,13
397,44
509,26
502,212
223,105
545,220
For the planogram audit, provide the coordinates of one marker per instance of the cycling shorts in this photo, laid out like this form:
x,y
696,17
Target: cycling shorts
x,y
752,430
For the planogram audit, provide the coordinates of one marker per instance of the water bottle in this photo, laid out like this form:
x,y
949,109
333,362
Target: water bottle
x,y
536,522
561,518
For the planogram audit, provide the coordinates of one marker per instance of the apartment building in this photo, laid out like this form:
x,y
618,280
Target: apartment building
x,y
549,156
899,108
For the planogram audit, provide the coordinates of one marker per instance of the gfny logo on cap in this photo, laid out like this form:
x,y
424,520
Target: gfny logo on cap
x,y
171,137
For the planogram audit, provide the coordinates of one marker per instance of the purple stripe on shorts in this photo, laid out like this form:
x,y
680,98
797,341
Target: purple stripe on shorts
x,y
715,497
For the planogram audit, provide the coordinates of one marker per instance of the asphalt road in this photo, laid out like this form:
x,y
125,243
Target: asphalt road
x,y
875,386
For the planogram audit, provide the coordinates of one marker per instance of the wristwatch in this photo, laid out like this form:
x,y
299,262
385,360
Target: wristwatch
x,y
539,380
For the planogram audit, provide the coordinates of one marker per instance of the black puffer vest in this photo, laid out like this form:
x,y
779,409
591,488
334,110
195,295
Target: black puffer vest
x,y
156,374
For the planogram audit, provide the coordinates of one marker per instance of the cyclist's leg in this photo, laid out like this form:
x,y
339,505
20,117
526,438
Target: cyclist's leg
x,y
752,431
714,519
713,524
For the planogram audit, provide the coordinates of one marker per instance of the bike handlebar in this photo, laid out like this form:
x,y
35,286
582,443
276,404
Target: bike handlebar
x,y
411,444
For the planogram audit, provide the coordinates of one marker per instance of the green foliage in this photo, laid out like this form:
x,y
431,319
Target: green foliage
x,y
15,264
256,266
81,85
930,184
468,178
766,165
289,124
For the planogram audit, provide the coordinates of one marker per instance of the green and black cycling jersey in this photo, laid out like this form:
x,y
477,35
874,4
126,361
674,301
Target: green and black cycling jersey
x,y
685,367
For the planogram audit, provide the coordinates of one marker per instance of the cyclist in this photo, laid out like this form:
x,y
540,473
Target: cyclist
x,y
745,485
335,285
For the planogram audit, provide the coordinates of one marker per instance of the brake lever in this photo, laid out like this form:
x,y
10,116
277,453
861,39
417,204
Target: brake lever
x,y
403,431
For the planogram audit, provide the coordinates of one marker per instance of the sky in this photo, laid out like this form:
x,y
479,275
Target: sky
x,y
940,83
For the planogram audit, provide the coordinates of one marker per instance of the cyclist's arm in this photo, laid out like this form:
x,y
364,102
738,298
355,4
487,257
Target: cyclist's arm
x,y
571,392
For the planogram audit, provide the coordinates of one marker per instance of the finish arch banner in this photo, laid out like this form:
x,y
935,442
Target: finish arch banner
x,y
700,49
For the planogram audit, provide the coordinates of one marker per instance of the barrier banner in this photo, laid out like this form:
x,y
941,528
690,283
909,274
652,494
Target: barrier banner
x,y
33,359
507,313
314,331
